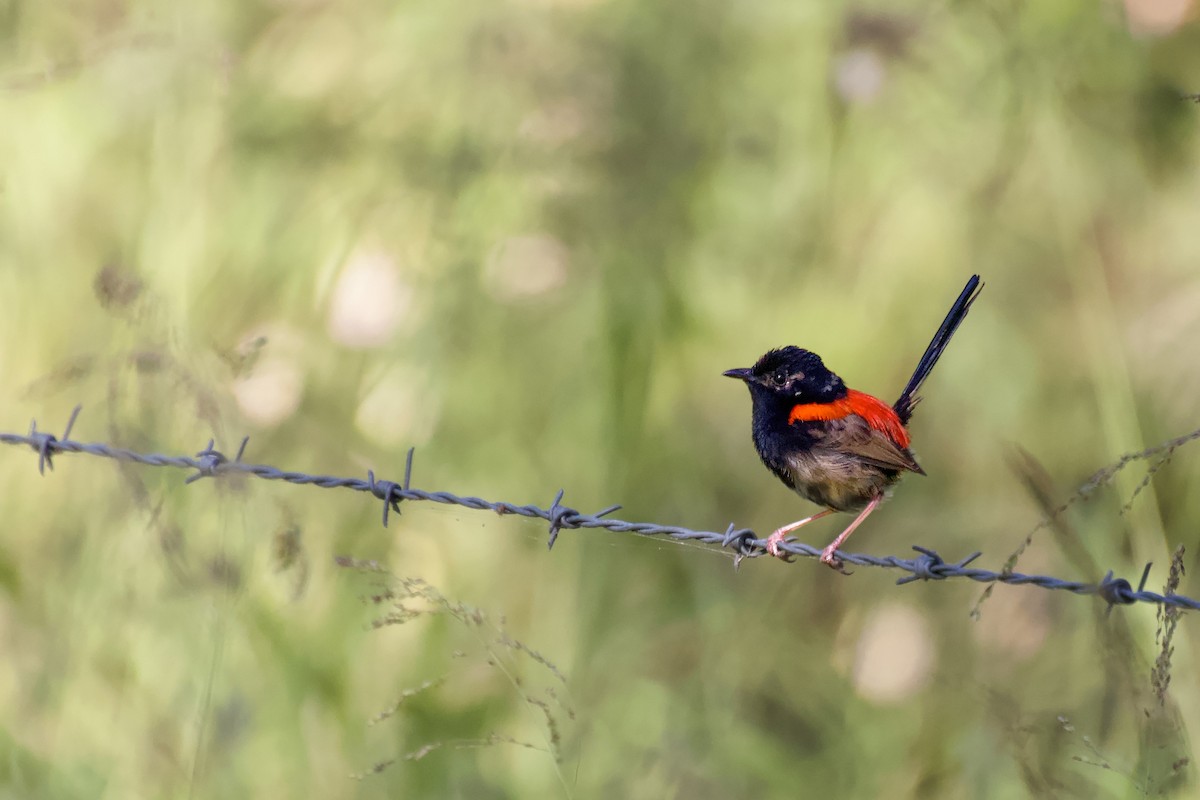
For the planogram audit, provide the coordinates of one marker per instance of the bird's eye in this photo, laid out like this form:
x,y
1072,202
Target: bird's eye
x,y
780,377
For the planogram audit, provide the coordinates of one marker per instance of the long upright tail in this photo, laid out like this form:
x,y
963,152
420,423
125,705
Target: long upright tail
x,y
958,312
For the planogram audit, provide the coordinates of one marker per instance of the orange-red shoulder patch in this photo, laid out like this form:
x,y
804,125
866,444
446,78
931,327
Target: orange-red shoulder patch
x,y
878,414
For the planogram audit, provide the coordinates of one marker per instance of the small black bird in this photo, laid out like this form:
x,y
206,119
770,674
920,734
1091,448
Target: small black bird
x,y
837,447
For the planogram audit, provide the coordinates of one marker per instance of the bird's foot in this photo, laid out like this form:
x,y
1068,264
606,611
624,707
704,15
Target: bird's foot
x,y
829,559
775,538
773,545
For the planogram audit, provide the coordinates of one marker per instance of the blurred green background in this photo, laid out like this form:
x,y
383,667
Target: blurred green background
x,y
527,237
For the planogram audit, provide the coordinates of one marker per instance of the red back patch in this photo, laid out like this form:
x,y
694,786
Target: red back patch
x,y
878,414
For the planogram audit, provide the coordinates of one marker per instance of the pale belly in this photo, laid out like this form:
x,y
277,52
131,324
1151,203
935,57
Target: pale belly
x,y
837,480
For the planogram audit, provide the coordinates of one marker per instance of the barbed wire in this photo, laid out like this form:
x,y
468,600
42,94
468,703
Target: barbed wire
x,y
927,565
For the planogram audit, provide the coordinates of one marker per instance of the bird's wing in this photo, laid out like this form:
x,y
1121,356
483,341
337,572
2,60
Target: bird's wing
x,y
853,435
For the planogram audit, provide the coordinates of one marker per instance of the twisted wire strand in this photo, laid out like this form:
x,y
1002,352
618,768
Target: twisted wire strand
x,y
926,565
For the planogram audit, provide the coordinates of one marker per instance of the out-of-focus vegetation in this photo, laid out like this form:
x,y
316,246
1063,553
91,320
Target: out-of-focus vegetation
x,y
527,237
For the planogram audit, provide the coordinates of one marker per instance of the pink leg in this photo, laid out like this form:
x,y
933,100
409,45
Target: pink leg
x,y
775,538
827,555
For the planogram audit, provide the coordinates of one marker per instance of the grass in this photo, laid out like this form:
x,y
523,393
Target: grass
x,y
528,237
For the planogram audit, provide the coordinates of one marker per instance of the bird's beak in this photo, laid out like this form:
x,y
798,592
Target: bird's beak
x,y
740,374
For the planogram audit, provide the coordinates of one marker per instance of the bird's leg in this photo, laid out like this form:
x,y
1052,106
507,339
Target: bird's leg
x,y
827,555
775,538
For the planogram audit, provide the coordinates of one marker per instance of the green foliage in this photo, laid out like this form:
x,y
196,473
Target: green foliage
x,y
527,237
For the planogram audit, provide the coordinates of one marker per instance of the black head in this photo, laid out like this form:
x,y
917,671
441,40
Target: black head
x,y
791,374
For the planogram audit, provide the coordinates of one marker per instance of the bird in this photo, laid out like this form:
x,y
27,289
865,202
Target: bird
x,y
838,447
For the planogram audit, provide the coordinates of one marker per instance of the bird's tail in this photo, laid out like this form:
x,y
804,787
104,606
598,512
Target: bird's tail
x,y
958,312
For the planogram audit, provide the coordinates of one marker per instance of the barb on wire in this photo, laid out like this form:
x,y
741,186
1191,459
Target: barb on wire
x,y
927,565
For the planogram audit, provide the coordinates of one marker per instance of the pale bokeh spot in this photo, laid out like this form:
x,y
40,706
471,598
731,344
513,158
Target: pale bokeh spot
x,y
895,654
400,411
526,266
270,379
553,124
1156,17
369,301
1014,623
271,392
859,76
565,4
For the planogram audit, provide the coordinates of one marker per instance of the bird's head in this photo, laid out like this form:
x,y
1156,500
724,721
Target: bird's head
x,y
791,374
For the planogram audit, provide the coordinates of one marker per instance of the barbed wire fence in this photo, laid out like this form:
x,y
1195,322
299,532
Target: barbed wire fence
x,y
927,565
